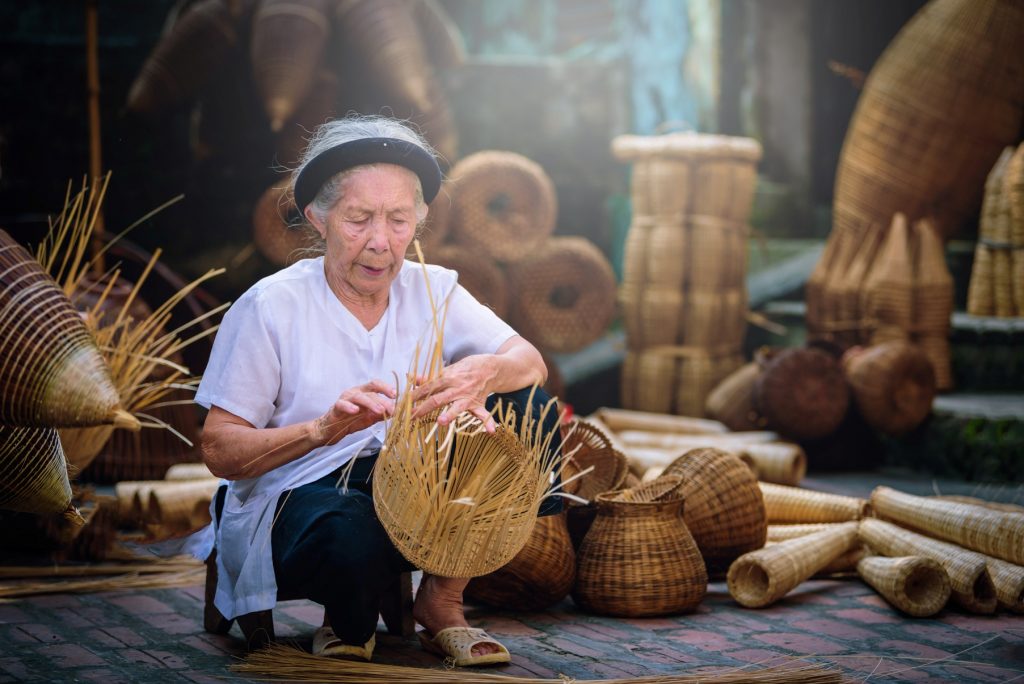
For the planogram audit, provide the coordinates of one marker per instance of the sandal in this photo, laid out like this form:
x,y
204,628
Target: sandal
x,y
327,643
457,643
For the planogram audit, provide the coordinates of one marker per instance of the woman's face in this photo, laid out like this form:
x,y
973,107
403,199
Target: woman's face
x,y
370,228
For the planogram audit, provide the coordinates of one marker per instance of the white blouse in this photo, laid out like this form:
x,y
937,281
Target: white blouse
x,y
283,354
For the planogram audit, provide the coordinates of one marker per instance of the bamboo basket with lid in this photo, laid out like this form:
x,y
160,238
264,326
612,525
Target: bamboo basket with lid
x,y
893,385
801,393
917,585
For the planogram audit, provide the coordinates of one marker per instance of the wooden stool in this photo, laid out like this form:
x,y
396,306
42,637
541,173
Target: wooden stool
x,y
258,627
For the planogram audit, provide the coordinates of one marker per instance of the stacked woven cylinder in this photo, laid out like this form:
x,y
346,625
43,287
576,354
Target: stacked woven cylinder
x,y
683,294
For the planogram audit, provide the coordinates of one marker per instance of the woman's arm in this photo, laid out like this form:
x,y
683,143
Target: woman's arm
x,y
234,449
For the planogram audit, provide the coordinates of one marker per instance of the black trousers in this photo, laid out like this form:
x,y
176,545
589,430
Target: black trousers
x,y
329,547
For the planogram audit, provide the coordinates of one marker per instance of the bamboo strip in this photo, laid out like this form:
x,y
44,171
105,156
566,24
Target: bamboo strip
x,y
93,569
917,585
130,581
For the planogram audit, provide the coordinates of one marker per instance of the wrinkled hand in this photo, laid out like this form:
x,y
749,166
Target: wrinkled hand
x,y
461,386
356,409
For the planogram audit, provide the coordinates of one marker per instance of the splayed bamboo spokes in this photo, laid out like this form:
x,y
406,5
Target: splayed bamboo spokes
x,y
625,419
974,527
795,505
761,577
778,533
917,585
33,472
969,578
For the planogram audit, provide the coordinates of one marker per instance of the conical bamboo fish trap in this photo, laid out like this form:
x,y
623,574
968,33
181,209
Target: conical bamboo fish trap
x,y
172,504
760,578
779,533
993,505
847,291
1008,580
795,505
483,278
1013,191
781,463
801,393
981,297
933,301
819,290
505,205
888,293
973,527
732,400
893,385
272,231
969,579
51,374
33,472
668,440
936,109
618,419
916,585
724,508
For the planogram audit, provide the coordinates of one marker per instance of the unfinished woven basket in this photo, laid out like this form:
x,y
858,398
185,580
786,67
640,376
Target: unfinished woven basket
x,y
565,295
272,231
505,205
760,578
478,274
33,472
969,579
893,385
802,393
916,585
795,505
639,559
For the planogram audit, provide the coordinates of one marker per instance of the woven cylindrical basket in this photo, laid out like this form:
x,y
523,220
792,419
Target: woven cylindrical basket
x,y
540,575
634,253
713,253
1008,580
732,400
565,296
658,187
762,577
847,291
801,393
505,205
728,441
639,559
53,374
619,419
933,301
781,463
724,508
916,585
272,231
648,381
974,527
888,293
795,505
993,505
969,579
33,472
172,504
666,250
980,298
188,471
893,385
659,321
778,533
477,273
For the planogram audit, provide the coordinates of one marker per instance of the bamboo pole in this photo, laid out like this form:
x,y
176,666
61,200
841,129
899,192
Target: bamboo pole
x,y
92,75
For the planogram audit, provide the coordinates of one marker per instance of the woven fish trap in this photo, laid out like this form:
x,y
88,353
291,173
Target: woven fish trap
x,y
619,419
819,316
437,226
1002,287
634,254
52,374
659,319
1013,189
716,259
779,533
538,577
667,246
697,375
916,585
969,579
984,503
638,558
1018,280
716,321
732,400
847,291
978,528
172,504
801,393
1008,580
33,472
482,277
273,226
760,578
980,295
659,187
505,205
565,295
781,463
587,446
648,381
724,508
888,293
795,505
935,111
893,385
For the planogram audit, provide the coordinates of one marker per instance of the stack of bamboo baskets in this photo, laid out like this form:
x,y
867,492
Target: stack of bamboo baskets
x,y
683,294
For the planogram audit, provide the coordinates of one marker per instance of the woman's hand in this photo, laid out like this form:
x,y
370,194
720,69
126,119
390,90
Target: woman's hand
x,y
462,386
356,409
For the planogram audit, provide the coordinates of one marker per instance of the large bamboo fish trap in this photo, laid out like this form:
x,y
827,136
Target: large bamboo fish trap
x,y
778,533
33,472
969,579
916,585
795,505
481,277
893,385
1008,580
762,577
933,301
783,463
888,292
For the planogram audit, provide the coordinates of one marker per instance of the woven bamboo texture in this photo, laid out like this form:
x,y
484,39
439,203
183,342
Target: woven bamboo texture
x,y
1013,192
893,385
732,400
321,104
539,576
724,508
933,301
271,232
479,275
994,505
760,578
1008,580
505,205
889,290
795,505
33,472
993,227
638,559
801,393
667,440
590,446
916,585
618,419
781,463
779,533
974,527
819,291
437,225
565,295
936,109
969,579
52,374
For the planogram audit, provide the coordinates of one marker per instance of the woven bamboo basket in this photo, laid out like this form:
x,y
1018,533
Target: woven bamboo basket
x,y
590,446
666,251
648,381
272,231
172,504
936,109
795,505
724,508
53,374
974,527
802,393
565,296
888,293
618,419
779,533
993,505
705,321
893,385
505,205
980,297
478,274
781,463
819,291
638,558
696,376
842,565
437,225
33,471
969,579
660,319
847,291
1013,191
540,575
634,254
933,301
130,507
732,400
916,585
658,187
188,471
713,253
762,577
1008,580
734,306
667,440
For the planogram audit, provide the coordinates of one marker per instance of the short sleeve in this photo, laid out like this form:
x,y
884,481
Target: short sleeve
x,y
243,375
472,328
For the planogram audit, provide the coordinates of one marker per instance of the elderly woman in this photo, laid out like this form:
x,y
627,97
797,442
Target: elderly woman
x,y
301,381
